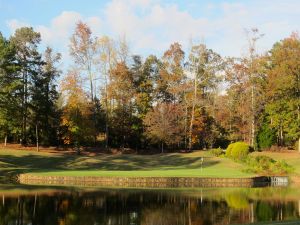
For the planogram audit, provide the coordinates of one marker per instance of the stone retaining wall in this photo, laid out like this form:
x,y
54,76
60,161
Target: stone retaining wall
x,y
147,182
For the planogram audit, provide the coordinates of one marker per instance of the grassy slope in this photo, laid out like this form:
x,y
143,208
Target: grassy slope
x,y
16,161
291,157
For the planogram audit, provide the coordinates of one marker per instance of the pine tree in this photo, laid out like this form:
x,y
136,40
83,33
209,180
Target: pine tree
x,y
26,42
10,88
44,97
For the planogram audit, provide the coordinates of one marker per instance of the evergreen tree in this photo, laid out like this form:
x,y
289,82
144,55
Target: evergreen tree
x,y
26,42
45,121
10,87
266,135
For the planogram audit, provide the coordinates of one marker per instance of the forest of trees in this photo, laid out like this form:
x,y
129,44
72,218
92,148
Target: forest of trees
x,y
110,98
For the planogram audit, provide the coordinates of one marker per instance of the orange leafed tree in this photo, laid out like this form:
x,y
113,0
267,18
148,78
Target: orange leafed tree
x,y
164,124
76,109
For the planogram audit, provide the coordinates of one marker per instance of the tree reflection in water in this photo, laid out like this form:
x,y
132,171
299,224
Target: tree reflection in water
x,y
120,207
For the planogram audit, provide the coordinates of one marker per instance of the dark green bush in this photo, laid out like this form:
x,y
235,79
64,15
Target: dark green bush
x,y
266,137
238,150
216,152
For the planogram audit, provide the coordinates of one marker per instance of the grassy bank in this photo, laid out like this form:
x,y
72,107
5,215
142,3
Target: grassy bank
x,y
291,157
14,162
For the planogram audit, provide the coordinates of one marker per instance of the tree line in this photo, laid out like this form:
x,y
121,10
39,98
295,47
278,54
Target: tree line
x,y
182,100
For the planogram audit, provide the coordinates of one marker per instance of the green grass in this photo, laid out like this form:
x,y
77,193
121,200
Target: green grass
x,y
207,172
13,162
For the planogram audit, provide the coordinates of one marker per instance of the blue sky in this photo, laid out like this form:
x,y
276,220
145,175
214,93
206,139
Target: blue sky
x,y
151,26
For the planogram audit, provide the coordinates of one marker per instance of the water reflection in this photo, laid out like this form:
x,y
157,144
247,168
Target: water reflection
x,y
142,207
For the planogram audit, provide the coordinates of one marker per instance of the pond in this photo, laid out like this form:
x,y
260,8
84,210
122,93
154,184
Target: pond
x,y
206,206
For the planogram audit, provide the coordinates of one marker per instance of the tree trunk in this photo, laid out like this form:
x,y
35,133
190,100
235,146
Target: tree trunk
x,y
106,134
162,147
93,98
106,120
37,137
24,108
106,112
230,119
185,123
281,136
5,140
252,118
193,112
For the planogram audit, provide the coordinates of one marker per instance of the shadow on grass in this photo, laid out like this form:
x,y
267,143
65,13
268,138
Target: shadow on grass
x,y
11,165
158,162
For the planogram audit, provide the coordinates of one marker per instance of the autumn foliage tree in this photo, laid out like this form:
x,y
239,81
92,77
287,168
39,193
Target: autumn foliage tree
x,y
172,74
283,89
164,124
204,67
110,98
246,79
76,123
121,92
83,48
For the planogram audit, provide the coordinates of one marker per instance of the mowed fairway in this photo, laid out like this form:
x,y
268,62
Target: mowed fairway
x,y
13,162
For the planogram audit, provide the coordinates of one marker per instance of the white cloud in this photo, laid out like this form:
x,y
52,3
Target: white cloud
x,y
140,3
15,24
58,33
95,23
156,27
152,25
60,28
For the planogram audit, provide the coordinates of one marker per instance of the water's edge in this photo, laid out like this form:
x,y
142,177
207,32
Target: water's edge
x,y
153,182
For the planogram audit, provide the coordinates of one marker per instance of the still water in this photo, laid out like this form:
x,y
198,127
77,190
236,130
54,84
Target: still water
x,y
148,207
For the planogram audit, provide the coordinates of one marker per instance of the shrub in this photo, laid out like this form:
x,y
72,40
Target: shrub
x,y
229,150
266,165
238,150
266,137
259,163
216,152
281,167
